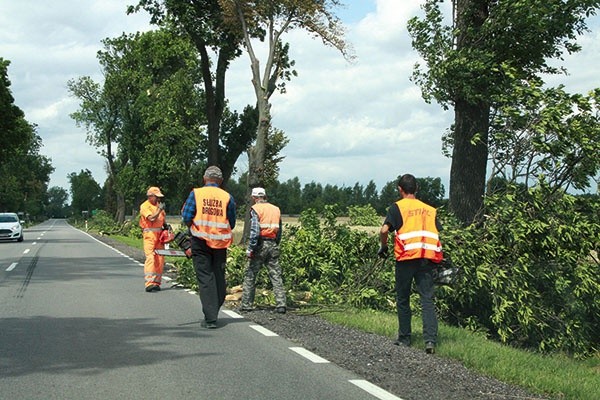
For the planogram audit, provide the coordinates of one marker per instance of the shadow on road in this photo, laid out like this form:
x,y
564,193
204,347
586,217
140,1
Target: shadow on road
x,y
86,346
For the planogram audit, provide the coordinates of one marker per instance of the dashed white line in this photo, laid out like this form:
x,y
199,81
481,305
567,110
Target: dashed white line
x,y
373,389
26,251
262,330
11,267
34,243
309,355
232,314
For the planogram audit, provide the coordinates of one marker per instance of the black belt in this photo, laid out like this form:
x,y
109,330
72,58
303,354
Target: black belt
x,y
268,239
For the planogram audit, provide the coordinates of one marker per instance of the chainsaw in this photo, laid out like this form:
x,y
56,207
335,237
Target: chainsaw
x,y
183,242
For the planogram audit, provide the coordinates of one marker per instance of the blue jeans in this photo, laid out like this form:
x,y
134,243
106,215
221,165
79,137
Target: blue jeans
x,y
420,271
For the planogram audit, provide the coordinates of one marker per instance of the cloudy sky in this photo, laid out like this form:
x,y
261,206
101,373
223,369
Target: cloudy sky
x,y
347,122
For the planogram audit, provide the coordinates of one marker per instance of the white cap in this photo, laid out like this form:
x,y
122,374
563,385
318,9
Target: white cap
x,y
258,192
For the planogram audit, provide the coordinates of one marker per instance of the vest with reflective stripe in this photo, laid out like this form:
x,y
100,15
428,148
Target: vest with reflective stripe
x,y
210,222
418,236
268,219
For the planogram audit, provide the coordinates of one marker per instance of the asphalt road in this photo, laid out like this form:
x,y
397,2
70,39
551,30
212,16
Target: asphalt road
x,y
76,323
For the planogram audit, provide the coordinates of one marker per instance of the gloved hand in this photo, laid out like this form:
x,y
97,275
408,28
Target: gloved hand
x,y
161,205
249,254
382,252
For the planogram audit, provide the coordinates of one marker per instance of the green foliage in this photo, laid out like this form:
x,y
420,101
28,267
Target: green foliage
x,y
530,272
335,263
57,202
363,216
102,221
186,275
24,173
236,265
473,65
85,191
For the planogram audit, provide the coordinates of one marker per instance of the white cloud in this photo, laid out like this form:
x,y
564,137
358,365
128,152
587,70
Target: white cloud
x,y
347,122
49,43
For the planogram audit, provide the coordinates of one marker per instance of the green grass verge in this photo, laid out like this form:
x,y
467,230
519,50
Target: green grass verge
x,y
555,375
129,241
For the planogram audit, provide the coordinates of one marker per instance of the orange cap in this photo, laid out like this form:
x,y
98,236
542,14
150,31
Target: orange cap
x,y
154,191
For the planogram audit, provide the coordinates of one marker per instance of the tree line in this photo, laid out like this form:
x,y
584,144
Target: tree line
x,y
291,196
24,172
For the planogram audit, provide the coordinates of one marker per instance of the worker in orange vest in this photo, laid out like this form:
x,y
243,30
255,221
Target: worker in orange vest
x,y
210,214
152,220
263,249
417,249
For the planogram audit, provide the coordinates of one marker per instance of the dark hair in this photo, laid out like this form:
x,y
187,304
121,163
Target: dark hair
x,y
408,183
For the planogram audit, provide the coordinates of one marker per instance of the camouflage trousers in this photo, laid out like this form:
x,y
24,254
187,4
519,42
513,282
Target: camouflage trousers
x,y
267,254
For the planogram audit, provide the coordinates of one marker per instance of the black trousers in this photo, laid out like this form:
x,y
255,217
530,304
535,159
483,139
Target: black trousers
x,y
419,271
209,265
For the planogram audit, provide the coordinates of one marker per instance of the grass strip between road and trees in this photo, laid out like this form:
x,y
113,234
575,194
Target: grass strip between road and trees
x,y
555,375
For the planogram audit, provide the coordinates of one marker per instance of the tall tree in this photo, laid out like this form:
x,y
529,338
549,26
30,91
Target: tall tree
x,y
57,202
203,22
430,190
472,64
24,173
144,117
85,192
269,21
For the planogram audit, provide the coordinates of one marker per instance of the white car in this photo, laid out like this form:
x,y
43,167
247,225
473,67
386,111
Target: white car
x,y
11,227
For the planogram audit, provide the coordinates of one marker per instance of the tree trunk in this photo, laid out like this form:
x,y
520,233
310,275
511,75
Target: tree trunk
x,y
469,160
471,122
120,215
256,158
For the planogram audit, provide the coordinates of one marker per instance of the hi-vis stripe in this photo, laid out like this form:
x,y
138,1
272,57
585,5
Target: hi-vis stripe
x,y
413,246
418,234
152,229
213,237
202,222
272,226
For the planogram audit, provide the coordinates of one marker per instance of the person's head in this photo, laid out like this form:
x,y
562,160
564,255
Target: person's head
x,y
154,194
213,174
407,184
258,194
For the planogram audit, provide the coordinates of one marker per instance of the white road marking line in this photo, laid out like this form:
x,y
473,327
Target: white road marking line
x,y
309,355
373,389
112,248
34,243
11,267
26,251
232,314
38,238
262,330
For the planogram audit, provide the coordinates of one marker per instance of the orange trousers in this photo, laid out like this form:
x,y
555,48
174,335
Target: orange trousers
x,y
153,266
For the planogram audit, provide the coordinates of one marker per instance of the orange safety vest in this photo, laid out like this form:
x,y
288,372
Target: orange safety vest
x,y
146,208
418,236
269,216
210,222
